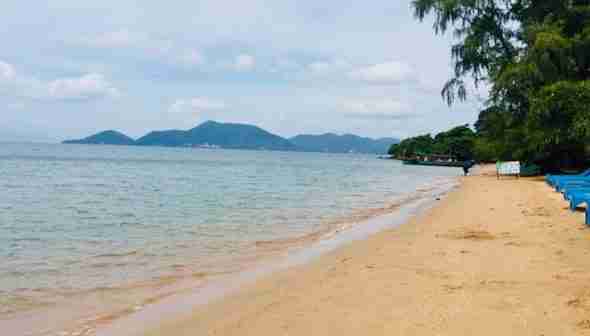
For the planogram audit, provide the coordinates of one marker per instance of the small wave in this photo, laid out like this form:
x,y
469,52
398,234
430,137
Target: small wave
x,y
15,274
27,239
284,242
14,303
63,185
117,255
108,264
99,185
13,186
330,227
129,223
100,265
89,218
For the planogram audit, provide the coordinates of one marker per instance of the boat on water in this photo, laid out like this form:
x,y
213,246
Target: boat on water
x,y
434,160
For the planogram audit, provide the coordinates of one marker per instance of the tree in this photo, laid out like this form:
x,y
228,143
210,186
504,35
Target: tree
x,y
417,145
535,56
457,142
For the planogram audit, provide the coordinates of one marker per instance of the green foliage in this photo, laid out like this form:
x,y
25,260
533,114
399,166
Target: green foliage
x,y
560,113
421,144
487,151
535,57
457,142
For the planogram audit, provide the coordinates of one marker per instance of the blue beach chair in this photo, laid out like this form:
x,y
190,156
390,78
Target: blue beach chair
x,y
564,184
575,190
578,198
573,186
553,179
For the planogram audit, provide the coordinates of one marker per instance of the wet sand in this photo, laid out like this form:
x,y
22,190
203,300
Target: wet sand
x,y
492,258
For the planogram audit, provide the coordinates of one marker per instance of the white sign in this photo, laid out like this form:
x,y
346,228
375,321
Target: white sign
x,y
508,168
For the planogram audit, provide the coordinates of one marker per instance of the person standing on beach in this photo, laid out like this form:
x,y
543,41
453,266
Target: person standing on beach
x,y
467,164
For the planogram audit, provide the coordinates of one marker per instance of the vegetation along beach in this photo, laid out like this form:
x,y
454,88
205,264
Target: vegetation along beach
x,y
295,168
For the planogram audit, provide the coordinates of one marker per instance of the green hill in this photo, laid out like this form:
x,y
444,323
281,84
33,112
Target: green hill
x,y
224,135
347,143
104,138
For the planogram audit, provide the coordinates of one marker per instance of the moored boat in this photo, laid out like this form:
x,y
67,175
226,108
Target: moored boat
x,y
434,160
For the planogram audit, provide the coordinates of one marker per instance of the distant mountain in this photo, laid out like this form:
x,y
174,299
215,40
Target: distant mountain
x,y
242,136
224,135
170,138
104,138
347,143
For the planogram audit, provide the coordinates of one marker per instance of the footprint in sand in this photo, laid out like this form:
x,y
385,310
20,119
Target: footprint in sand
x,y
574,303
560,277
452,288
537,212
474,235
585,324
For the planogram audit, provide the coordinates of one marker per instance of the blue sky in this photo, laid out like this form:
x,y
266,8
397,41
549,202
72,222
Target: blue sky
x,y
71,68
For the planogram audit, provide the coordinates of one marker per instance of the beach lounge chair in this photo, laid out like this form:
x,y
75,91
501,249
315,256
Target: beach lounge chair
x,y
558,176
568,183
564,187
578,198
575,190
567,194
553,179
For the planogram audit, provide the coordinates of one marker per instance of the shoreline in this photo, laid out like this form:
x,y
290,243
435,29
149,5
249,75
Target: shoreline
x,y
492,258
299,253
174,296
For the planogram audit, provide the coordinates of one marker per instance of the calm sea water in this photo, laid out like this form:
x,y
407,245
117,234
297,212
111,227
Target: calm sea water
x,y
76,219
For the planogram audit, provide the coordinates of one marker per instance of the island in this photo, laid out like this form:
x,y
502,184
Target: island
x,y
213,134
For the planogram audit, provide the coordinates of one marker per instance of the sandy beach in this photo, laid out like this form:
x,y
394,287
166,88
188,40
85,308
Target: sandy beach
x,y
494,257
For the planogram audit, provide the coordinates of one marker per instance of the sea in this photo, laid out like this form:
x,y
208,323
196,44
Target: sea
x,y
90,234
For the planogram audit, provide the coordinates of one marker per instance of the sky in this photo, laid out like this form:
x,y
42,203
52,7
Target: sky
x,y
72,68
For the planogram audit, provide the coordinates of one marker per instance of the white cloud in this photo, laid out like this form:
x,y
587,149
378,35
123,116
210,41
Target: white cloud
x,y
86,87
196,105
384,73
192,57
244,62
146,46
324,67
117,39
286,63
7,71
376,109
89,86
16,106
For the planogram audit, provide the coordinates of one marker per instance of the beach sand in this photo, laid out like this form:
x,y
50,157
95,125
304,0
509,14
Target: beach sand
x,y
494,257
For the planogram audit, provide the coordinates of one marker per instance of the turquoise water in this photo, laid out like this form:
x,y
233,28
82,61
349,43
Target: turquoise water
x,y
75,218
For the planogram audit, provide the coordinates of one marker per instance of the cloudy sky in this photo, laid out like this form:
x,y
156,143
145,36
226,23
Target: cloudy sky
x,y
70,68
